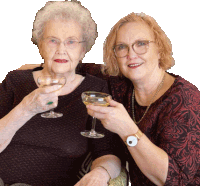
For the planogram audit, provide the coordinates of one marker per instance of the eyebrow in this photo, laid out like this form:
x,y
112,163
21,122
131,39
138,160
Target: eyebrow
x,y
141,39
120,43
71,37
52,37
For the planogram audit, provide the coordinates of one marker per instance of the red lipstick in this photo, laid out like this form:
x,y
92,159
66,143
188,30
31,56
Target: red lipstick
x,y
61,60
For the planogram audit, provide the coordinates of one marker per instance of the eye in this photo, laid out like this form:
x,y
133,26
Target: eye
x,y
120,47
142,43
71,42
53,41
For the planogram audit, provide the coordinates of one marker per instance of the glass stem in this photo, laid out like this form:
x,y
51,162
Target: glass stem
x,y
51,111
93,125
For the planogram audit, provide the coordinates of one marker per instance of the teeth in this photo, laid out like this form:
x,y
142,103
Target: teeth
x,y
134,65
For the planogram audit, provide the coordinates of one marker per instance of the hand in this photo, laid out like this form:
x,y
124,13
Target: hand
x,y
97,177
114,118
36,101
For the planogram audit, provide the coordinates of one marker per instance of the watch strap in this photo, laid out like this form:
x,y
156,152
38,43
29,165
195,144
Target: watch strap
x,y
138,134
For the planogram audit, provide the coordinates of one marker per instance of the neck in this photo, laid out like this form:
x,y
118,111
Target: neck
x,y
146,88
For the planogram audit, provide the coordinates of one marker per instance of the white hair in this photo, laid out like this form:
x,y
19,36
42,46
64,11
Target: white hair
x,y
65,10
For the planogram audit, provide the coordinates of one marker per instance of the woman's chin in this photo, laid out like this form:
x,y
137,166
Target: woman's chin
x,y
58,70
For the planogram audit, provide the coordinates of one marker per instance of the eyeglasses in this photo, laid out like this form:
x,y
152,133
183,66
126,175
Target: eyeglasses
x,y
69,43
139,47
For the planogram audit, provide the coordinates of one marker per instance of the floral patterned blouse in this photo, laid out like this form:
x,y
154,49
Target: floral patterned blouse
x,y
172,123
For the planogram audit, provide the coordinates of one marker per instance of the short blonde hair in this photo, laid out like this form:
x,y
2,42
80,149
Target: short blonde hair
x,y
65,10
162,41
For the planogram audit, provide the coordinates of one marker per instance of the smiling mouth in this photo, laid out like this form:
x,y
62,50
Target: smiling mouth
x,y
61,60
135,65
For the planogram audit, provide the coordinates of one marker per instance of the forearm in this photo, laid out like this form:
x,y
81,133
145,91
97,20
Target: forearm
x,y
152,160
109,162
11,123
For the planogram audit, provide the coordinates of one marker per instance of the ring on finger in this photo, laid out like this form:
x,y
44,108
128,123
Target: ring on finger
x,y
50,102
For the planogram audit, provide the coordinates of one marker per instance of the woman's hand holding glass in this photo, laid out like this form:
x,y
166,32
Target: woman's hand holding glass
x,y
114,118
36,101
94,98
48,81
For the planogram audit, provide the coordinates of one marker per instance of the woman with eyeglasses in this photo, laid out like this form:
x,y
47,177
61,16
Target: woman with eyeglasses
x,y
41,151
155,113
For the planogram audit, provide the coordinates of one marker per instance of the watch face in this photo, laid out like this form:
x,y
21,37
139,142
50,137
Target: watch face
x,y
132,141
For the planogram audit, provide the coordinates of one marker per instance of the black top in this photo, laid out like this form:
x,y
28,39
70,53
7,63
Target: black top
x,y
48,152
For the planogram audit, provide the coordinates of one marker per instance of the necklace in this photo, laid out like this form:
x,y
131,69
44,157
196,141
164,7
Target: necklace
x,y
133,97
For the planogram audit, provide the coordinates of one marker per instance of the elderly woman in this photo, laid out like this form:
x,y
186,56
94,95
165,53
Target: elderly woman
x,y
40,151
160,127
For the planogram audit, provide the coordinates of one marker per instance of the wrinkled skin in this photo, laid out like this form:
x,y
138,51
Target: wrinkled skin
x,y
95,177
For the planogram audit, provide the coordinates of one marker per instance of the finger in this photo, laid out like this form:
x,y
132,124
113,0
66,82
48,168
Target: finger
x,y
46,98
99,109
112,102
47,107
97,115
50,89
53,105
46,102
100,116
52,101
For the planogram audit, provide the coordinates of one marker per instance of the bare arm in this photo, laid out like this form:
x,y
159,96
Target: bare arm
x,y
111,163
31,105
11,123
151,160
99,176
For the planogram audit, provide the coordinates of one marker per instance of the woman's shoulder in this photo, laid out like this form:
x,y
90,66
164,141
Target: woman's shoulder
x,y
181,85
180,104
17,82
181,96
19,71
18,75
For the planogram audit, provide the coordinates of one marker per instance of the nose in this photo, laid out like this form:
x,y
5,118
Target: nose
x,y
131,54
61,49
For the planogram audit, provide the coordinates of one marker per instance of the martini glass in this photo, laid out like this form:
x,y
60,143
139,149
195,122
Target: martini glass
x,y
94,98
45,81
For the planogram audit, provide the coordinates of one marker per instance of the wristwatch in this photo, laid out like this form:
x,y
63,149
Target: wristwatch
x,y
132,140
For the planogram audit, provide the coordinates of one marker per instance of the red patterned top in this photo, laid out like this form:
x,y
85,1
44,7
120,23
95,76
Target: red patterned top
x,y
172,123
